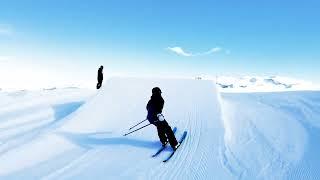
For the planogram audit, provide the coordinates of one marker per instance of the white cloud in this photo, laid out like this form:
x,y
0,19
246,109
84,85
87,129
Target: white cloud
x,y
211,51
5,30
216,49
181,52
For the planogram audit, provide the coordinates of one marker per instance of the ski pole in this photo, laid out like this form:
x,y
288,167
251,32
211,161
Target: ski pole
x,y
137,124
136,130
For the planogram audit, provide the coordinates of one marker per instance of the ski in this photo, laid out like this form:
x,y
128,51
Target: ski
x,y
163,147
180,141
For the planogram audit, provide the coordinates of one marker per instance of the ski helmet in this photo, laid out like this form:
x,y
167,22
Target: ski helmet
x,y
156,90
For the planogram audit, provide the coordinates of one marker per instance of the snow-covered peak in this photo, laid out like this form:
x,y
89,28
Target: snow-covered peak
x,y
263,84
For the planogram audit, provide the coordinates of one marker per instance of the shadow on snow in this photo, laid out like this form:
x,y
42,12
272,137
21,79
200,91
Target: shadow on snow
x,y
87,140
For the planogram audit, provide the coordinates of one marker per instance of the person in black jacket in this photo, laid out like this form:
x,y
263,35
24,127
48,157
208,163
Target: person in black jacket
x,y
100,77
154,107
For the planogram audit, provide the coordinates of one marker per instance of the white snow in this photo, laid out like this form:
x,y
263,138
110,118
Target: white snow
x,y
77,134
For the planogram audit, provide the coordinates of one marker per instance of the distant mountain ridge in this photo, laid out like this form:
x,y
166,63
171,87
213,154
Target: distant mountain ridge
x,y
265,84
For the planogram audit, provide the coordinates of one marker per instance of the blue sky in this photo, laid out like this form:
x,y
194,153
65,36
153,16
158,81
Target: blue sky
x,y
67,40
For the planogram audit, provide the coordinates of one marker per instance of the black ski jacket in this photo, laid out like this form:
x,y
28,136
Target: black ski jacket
x,y
154,107
100,75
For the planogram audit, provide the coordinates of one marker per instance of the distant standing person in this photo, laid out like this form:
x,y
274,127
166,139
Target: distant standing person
x,y
100,77
154,108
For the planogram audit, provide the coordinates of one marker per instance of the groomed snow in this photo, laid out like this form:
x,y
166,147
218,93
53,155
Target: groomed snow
x,y
77,134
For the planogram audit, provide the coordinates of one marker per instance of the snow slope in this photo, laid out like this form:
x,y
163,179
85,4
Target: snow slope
x,y
26,115
70,134
25,111
272,135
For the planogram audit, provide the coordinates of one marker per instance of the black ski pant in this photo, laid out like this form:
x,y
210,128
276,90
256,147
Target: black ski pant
x,y
99,84
165,133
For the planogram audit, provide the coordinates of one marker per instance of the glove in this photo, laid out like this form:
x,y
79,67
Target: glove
x,y
160,117
154,122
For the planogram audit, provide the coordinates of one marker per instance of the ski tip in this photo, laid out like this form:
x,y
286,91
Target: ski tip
x,y
155,155
184,134
166,160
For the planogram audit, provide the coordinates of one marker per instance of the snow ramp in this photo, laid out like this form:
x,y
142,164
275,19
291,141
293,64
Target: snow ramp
x,y
190,105
89,144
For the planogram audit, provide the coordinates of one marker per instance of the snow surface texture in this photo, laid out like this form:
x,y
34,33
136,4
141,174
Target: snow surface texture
x,y
73,134
272,135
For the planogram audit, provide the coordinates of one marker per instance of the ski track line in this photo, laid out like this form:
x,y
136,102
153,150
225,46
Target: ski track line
x,y
194,140
202,160
184,155
196,133
188,155
204,145
154,172
173,166
164,169
302,173
181,160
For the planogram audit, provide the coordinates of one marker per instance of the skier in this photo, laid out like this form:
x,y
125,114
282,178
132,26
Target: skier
x,y
154,107
100,77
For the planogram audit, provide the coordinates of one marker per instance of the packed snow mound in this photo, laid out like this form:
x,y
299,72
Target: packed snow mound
x,y
263,84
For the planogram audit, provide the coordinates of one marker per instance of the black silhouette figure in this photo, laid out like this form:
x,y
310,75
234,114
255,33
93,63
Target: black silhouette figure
x,y
100,77
154,107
